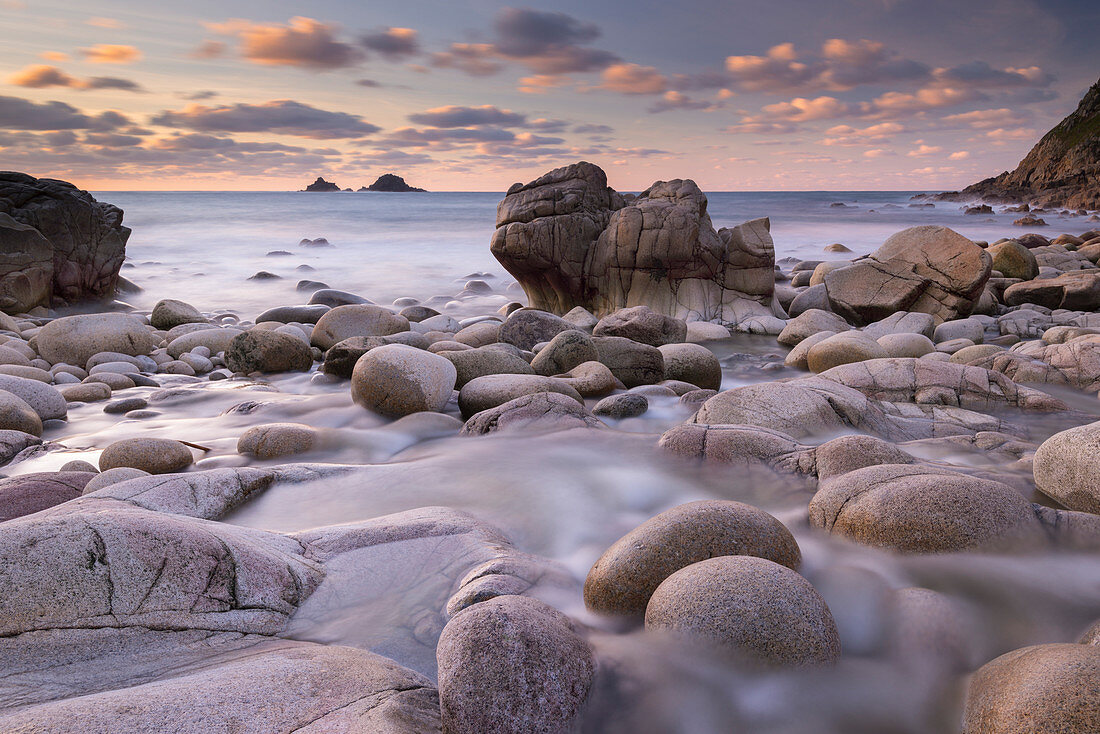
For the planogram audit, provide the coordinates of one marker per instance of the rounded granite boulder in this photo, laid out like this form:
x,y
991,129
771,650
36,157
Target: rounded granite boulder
x,y
843,348
153,455
396,380
261,350
490,391
757,609
16,415
275,440
626,575
170,312
361,319
74,339
1067,465
1043,689
692,363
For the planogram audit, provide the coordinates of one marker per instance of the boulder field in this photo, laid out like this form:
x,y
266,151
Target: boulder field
x,y
346,516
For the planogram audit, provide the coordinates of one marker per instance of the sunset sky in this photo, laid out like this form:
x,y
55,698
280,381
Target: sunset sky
x,y
475,94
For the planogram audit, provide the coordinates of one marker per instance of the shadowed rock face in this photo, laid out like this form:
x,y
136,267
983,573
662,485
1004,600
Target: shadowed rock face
x,y
87,238
570,240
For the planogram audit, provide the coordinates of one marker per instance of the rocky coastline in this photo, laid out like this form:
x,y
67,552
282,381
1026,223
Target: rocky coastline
x,y
928,406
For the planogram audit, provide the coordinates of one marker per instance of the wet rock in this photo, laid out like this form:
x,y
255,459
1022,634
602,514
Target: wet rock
x,y
848,453
843,348
631,362
27,274
309,314
1074,291
1013,260
275,440
340,359
87,392
906,345
113,476
16,415
542,411
30,493
705,331
417,313
528,326
397,380
216,340
591,379
928,269
624,578
752,607
73,339
490,391
903,322
333,298
619,407
642,324
808,323
581,318
43,399
512,665
258,350
970,328
920,509
798,357
481,334
1066,467
343,322
153,455
1043,689
482,361
564,352
692,363
170,312
79,465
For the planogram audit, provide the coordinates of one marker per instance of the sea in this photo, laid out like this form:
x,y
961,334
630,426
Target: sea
x,y
203,247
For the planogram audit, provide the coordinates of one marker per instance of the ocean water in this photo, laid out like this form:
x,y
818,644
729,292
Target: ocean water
x,y
202,247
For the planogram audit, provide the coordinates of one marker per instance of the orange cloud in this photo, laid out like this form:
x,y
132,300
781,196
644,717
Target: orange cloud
x,y
109,53
303,42
633,79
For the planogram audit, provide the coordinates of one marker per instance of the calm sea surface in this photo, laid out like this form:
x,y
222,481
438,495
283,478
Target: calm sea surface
x,y
203,247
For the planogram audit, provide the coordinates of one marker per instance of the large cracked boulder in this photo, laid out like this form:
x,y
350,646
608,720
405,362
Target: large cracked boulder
x,y
570,240
928,269
86,240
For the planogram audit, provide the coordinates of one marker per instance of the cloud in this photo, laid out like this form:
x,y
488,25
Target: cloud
x,y
778,70
878,153
199,95
924,150
1002,135
959,155
111,23
53,56
17,113
302,42
282,116
761,128
475,59
394,44
41,76
541,83
454,116
109,53
446,138
846,135
987,119
112,140
371,83
801,109
981,74
545,125
633,79
673,100
209,49
592,129
549,44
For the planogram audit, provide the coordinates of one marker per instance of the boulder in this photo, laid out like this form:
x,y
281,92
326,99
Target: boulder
x,y
526,327
26,266
396,380
44,399
928,269
1013,260
808,323
752,607
73,339
843,348
570,240
275,440
642,324
626,575
1043,689
113,476
30,493
1075,291
564,352
921,509
621,406
16,415
903,322
906,345
490,391
86,237
216,340
362,319
1066,467
153,455
591,379
692,363
631,362
541,411
512,665
169,313
259,350
473,363
308,314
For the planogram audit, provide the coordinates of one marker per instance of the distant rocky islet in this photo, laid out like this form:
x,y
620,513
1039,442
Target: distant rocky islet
x,y
387,182
903,407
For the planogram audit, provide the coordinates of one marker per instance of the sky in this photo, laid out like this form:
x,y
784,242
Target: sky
x,y
474,95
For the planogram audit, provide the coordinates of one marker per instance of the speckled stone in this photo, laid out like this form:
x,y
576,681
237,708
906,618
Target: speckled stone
x,y
275,440
396,380
626,575
154,455
755,608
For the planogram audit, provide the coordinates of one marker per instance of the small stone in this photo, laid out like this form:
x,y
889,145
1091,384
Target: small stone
x,y
276,440
87,392
113,476
125,405
153,455
169,312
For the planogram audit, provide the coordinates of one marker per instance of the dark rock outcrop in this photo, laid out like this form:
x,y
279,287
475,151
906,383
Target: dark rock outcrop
x,y
321,185
1063,169
392,183
570,240
56,242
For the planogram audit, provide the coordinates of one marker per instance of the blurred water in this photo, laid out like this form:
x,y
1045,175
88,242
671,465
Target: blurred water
x,y
202,247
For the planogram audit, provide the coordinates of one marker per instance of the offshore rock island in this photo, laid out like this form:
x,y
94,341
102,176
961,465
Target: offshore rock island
x,y
387,182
